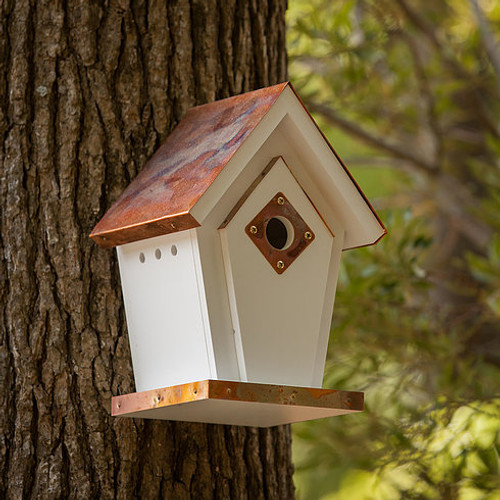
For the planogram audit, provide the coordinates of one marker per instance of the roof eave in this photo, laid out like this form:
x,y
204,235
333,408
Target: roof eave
x,y
383,229
144,230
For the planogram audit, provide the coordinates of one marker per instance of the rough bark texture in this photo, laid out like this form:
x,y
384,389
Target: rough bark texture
x,y
87,92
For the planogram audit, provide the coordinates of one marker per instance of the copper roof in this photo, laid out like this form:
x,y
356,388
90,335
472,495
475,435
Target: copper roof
x,y
159,199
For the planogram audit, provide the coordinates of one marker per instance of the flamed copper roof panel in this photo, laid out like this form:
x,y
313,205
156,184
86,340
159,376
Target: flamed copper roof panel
x,y
183,168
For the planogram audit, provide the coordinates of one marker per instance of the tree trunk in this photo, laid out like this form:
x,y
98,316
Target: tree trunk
x,y
87,93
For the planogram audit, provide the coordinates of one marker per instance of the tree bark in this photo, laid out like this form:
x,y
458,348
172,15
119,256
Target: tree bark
x,y
88,90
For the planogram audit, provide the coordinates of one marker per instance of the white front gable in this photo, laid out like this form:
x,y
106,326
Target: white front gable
x,y
287,130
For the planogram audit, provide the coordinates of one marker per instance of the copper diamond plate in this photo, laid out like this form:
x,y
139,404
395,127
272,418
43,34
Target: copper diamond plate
x,y
280,260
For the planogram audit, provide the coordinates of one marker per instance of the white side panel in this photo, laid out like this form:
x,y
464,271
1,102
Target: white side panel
x,y
217,299
326,316
278,319
166,311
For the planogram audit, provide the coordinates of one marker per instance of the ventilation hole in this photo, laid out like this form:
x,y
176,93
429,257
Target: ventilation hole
x,y
158,253
142,258
173,249
279,233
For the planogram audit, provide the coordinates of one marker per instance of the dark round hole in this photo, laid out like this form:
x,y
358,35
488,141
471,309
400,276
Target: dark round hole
x,y
276,233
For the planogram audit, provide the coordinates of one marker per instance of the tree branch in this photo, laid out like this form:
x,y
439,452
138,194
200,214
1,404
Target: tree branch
x,y
454,199
483,108
426,94
489,42
371,139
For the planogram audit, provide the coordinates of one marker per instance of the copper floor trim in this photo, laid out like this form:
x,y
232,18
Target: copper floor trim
x,y
237,403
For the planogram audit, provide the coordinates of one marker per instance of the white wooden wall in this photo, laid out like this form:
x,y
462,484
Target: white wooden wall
x,y
166,311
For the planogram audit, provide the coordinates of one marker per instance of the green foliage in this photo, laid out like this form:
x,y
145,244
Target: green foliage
x,y
451,453
408,94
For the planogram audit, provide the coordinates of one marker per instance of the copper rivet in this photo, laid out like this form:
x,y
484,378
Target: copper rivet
x,y
118,405
253,229
280,264
173,226
281,200
308,235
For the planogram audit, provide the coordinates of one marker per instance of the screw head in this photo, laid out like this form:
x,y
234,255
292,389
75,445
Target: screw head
x,y
308,236
280,264
280,200
253,229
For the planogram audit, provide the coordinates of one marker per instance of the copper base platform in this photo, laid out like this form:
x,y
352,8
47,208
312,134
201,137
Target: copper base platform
x,y
237,403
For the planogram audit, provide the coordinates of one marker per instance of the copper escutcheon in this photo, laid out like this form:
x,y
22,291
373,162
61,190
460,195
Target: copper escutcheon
x,y
280,233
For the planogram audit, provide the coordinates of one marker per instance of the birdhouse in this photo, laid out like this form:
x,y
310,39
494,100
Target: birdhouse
x,y
229,242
